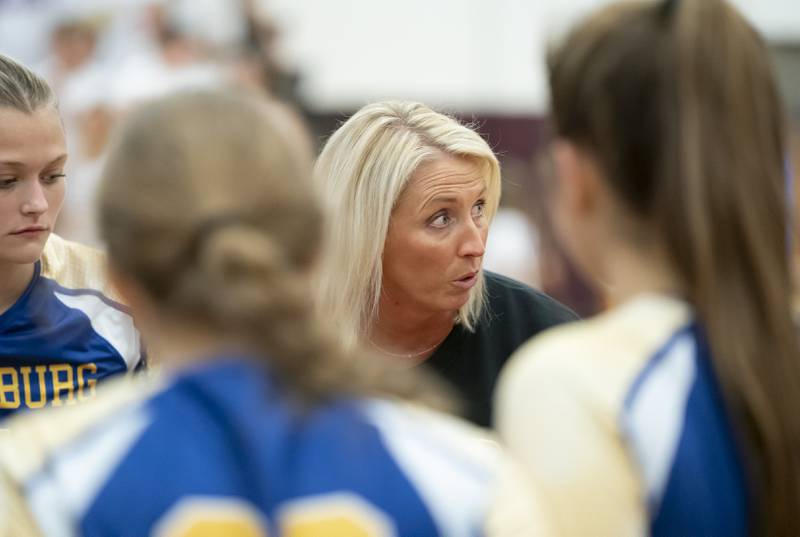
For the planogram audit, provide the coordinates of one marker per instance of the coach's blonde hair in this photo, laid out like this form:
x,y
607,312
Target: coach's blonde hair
x,y
361,173
207,203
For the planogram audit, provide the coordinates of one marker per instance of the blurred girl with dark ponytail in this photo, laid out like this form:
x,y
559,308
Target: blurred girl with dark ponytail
x,y
674,413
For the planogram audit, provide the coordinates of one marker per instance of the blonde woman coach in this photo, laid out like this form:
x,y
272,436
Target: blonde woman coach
x,y
410,194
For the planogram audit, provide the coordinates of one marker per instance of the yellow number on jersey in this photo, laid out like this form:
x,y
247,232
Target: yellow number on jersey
x,y
330,515
334,515
211,517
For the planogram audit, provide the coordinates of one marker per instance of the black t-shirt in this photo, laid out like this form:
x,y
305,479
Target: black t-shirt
x,y
471,361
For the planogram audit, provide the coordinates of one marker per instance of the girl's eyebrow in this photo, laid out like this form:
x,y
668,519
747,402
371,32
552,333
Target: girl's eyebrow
x,y
59,158
17,164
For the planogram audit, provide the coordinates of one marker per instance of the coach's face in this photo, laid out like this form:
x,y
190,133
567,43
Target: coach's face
x,y
32,157
437,235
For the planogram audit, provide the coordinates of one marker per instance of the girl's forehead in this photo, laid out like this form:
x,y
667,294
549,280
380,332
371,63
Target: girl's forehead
x,y
27,135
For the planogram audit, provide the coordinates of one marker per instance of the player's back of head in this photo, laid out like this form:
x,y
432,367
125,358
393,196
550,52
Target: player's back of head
x,y
676,105
206,204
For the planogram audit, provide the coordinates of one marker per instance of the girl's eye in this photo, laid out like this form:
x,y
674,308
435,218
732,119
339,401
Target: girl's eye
x,y
7,182
51,179
440,220
477,210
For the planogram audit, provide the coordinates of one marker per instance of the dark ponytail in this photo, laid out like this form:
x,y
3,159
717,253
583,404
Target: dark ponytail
x,y
732,195
678,103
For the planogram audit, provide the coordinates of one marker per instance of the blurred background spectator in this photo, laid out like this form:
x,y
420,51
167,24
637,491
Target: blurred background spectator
x,y
481,61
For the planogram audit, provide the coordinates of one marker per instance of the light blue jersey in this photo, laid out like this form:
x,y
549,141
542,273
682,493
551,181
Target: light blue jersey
x,y
64,334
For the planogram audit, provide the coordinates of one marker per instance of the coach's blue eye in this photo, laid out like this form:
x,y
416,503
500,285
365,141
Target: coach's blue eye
x,y
478,208
440,220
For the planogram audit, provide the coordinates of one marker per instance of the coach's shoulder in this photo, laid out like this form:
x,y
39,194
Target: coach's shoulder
x,y
506,295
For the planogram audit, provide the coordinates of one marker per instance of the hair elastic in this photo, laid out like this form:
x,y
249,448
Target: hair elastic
x,y
207,228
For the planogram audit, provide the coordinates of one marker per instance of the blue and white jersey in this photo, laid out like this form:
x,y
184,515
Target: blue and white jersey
x,y
621,423
220,449
65,333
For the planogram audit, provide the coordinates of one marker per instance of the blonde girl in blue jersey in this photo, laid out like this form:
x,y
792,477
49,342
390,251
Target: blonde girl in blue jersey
x,y
60,332
260,425
674,413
